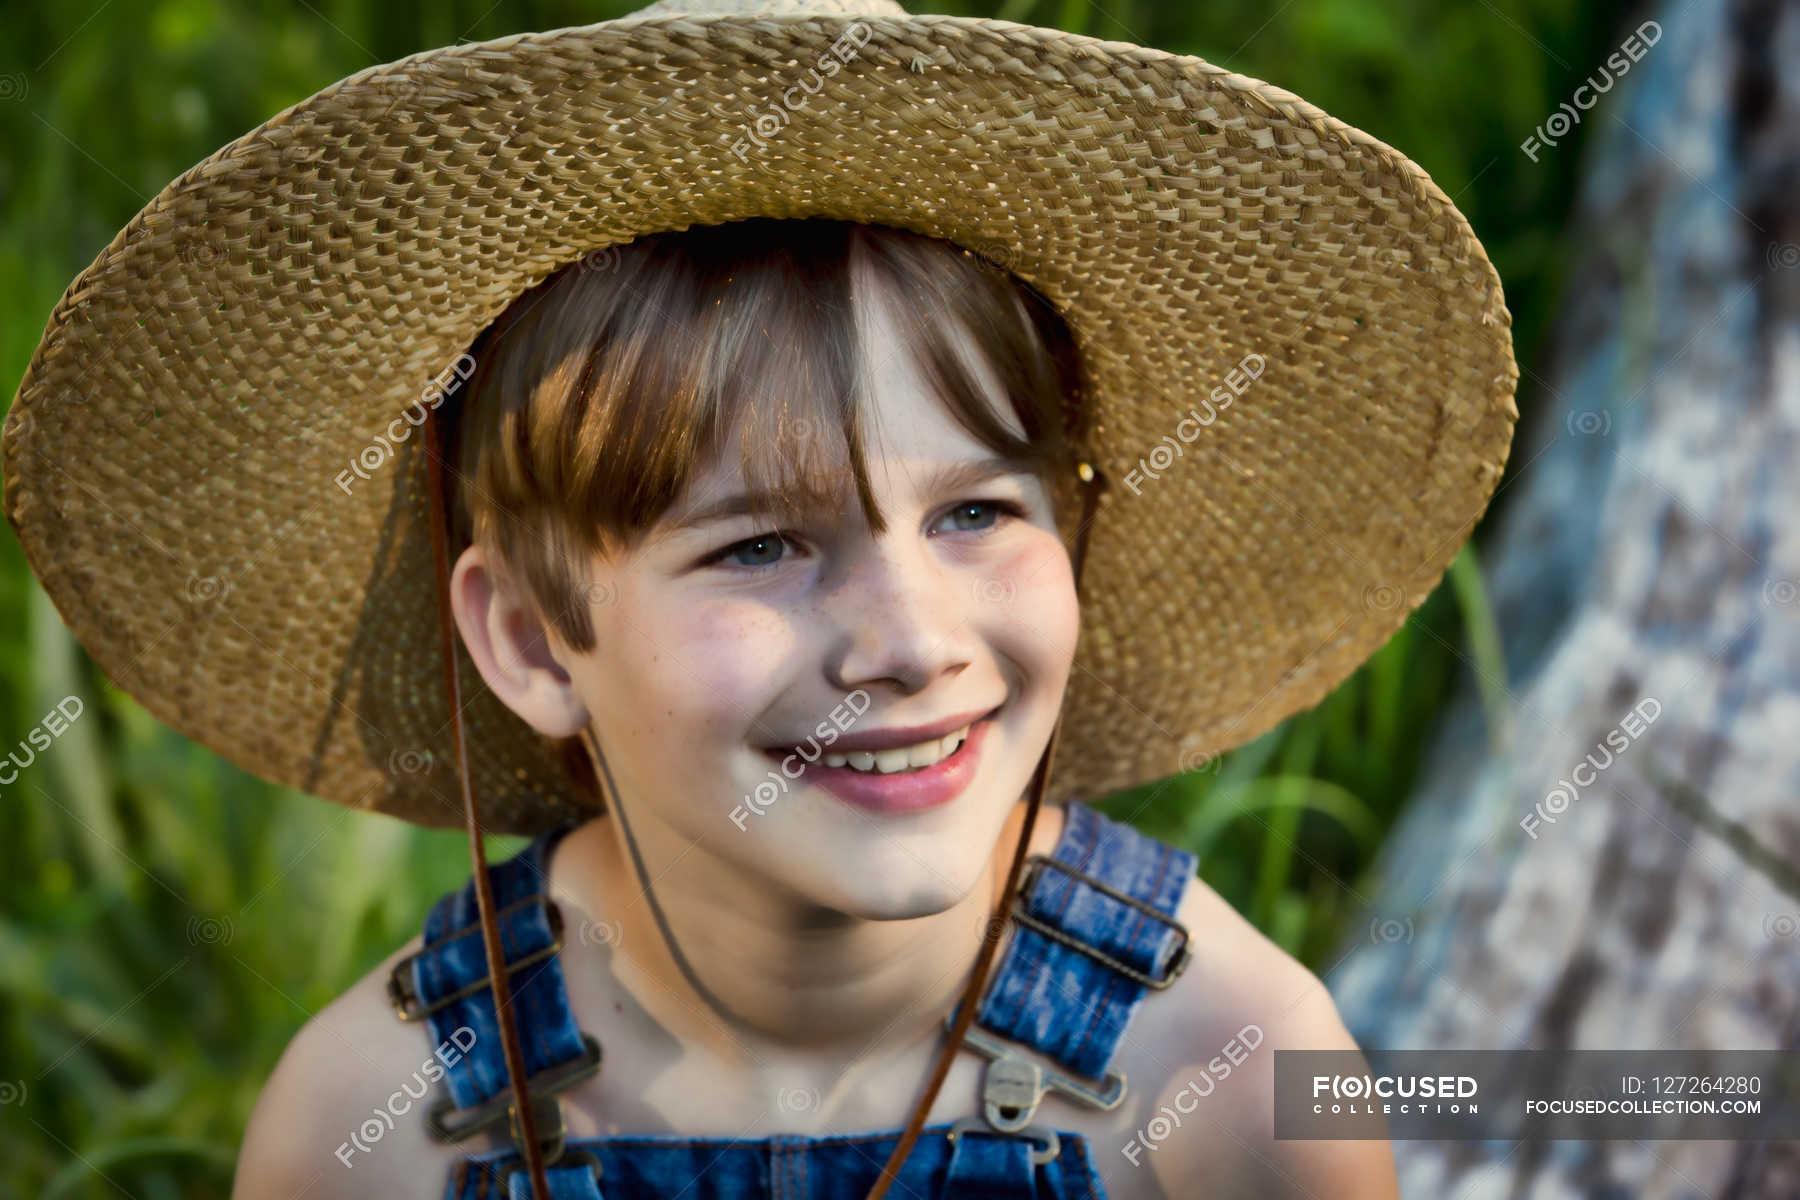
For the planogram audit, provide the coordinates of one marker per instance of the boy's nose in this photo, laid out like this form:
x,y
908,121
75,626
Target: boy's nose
x,y
899,620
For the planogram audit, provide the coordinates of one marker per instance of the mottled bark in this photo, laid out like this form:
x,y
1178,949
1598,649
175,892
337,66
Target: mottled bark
x,y
1648,546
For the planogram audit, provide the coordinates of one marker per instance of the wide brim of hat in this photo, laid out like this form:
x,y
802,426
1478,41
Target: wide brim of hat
x,y
1299,355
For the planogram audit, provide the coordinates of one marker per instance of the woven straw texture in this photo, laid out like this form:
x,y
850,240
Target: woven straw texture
x,y
173,455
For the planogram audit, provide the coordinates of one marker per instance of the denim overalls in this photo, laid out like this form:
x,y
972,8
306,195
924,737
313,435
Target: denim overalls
x,y
1094,932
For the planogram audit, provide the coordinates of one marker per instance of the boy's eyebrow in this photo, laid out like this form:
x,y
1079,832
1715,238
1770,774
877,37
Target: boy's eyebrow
x,y
953,476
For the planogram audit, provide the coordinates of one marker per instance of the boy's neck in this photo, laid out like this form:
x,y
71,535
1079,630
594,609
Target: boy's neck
x,y
793,982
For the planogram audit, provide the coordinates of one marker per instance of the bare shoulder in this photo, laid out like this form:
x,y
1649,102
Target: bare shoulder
x,y
1204,1120
328,1121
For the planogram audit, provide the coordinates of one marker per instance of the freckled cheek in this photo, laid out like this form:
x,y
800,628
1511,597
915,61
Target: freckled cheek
x,y
718,668
1032,598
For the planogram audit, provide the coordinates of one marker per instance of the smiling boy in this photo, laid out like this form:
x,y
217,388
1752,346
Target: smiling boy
x,y
753,460
788,972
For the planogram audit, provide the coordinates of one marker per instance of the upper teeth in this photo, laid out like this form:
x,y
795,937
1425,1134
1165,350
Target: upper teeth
x,y
901,758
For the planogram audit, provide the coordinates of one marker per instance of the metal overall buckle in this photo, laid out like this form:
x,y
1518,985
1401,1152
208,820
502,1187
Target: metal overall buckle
x,y
547,1108
1012,1086
408,1006
447,1123
1178,961
1052,1145
575,1158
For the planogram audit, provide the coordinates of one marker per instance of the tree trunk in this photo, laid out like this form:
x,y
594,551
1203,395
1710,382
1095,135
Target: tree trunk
x,y
1648,548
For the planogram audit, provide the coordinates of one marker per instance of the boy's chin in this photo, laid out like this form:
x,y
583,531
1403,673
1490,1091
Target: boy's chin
x,y
893,894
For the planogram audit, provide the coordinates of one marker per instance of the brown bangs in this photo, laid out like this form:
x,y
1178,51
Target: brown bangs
x,y
600,395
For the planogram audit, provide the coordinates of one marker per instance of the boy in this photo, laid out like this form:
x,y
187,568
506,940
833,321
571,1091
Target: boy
x,y
830,927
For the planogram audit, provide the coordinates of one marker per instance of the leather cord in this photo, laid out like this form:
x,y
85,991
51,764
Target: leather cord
x,y
604,771
484,891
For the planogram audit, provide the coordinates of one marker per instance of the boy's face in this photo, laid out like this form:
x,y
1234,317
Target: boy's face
x,y
717,643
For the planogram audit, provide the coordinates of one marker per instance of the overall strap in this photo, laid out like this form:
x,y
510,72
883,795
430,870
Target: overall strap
x,y
444,983
1095,932
1083,958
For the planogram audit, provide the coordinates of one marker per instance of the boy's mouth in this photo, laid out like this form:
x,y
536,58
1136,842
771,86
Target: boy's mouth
x,y
915,756
950,764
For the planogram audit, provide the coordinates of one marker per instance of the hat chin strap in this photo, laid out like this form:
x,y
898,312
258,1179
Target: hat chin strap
x,y
523,1109
525,1113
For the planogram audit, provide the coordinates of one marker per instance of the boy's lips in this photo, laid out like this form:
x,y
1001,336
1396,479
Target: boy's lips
x,y
893,737
900,791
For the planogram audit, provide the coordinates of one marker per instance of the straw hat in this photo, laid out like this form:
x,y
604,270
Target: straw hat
x,y
1299,353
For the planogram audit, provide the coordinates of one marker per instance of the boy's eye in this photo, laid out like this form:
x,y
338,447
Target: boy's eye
x,y
979,506
764,550
761,544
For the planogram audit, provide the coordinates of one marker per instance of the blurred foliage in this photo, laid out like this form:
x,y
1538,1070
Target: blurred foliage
x,y
170,921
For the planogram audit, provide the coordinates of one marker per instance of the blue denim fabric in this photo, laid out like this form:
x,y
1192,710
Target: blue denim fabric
x,y
452,959
1069,1006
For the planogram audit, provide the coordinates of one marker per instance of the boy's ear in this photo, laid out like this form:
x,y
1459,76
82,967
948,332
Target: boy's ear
x,y
511,649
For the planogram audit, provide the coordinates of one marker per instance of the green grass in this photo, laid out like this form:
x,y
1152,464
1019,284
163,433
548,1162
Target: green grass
x,y
1285,826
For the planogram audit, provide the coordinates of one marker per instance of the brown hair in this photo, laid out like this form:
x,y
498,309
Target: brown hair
x,y
600,394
